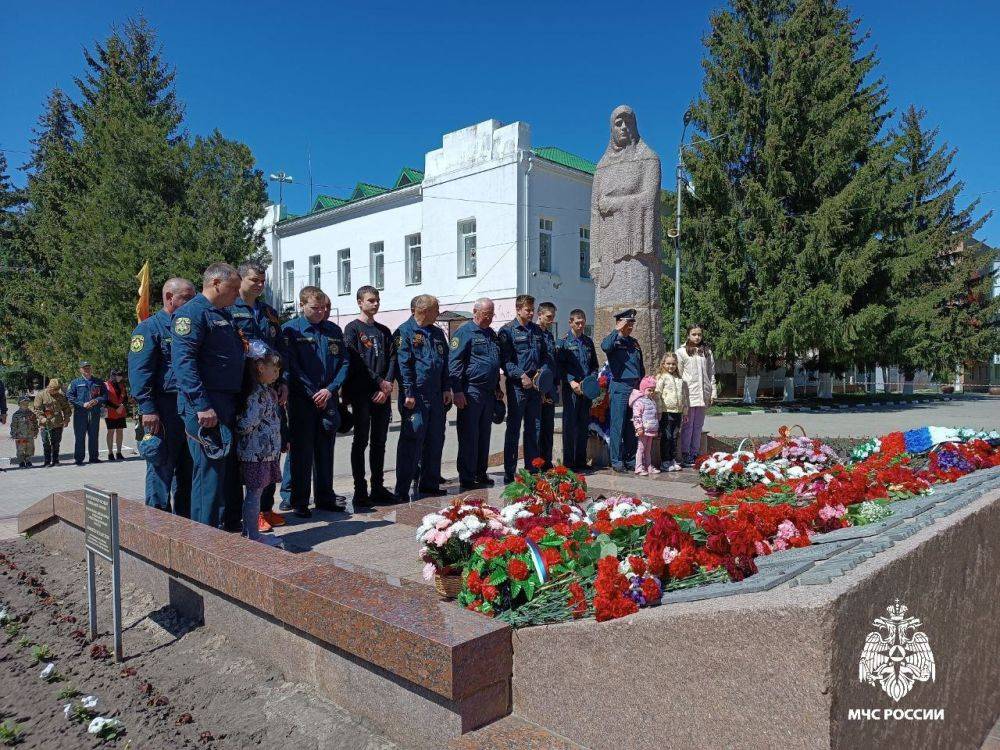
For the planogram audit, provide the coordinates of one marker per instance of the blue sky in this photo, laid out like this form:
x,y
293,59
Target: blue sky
x,y
370,87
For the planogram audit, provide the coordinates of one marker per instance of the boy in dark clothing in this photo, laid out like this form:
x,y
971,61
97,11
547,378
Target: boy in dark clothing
x,y
369,390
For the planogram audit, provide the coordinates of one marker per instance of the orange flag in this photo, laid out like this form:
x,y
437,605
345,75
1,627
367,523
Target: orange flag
x,y
145,282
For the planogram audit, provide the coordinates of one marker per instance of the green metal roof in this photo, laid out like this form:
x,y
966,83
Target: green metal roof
x,y
327,201
409,176
565,158
367,190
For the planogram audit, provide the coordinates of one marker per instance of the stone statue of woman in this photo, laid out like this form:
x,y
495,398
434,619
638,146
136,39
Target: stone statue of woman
x,y
625,235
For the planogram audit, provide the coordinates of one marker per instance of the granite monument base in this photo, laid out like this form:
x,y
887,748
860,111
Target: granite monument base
x,y
779,666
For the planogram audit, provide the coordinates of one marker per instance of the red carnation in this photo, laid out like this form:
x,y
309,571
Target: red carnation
x,y
538,462
516,569
577,600
490,592
474,583
637,564
491,549
564,488
515,545
474,605
535,533
551,557
651,590
561,470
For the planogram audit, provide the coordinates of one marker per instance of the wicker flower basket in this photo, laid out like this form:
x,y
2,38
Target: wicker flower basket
x,y
448,586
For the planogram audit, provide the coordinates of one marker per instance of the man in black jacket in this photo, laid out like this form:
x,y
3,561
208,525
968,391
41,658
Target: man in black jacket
x,y
369,390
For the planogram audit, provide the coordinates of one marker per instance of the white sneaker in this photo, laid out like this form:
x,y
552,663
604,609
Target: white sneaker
x,y
674,466
666,466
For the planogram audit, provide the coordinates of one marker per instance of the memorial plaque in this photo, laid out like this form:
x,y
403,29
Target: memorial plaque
x,y
100,537
97,522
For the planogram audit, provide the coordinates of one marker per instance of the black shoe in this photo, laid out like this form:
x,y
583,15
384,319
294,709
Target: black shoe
x,y
284,505
508,479
55,461
485,482
111,457
119,456
96,461
361,500
432,492
46,463
336,507
630,465
382,495
470,487
339,499
302,513
619,468
232,528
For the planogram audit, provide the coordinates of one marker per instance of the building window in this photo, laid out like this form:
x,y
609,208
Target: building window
x,y
467,248
545,245
413,274
288,285
344,271
376,260
314,271
584,252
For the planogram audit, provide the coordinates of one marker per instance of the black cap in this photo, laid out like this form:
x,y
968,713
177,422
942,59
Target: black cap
x,y
626,315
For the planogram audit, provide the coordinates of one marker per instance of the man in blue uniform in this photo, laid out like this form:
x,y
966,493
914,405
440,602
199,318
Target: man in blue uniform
x,y
424,392
88,395
257,320
317,368
547,419
207,354
154,388
577,360
625,361
474,369
522,353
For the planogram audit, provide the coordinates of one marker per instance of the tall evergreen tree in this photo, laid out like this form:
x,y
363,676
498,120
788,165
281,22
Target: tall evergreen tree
x,y
134,189
11,243
935,278
788,204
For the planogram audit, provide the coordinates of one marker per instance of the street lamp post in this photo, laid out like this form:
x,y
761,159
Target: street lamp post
x,y
676,231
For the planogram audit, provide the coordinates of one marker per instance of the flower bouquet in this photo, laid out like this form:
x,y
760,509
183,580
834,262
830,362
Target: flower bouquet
x,y
448,537
800,450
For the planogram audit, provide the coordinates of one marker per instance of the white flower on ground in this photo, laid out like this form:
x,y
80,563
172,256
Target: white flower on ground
x,y
89,702
47,672
66,709
100,723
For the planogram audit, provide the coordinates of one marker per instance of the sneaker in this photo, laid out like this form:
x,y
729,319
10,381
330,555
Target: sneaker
x,y
674,466
303,513
653,470
285,505
275,519
618,468
262,525
641,472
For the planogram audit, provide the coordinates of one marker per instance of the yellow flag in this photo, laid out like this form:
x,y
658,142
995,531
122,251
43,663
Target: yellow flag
x,y
145,282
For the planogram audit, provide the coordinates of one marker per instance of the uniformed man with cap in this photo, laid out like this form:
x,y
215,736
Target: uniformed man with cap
x,y
522,353
577,360
318,364
257,320
424,391
625,361
474,369
88,395
207,353
154,388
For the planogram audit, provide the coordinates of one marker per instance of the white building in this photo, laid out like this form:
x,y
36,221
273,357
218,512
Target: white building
x,y
488,216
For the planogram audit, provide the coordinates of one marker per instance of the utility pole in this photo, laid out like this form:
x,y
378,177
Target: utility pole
x,y
677,235
281,178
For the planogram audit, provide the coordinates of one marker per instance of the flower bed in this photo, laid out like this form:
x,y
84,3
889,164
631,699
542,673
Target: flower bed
x,y
548,556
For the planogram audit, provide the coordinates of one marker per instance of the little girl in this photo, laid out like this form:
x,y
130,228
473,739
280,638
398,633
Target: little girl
x,y
259,428
672,399
647,424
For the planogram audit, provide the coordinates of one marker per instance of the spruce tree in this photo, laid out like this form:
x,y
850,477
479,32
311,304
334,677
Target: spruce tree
x,y
11,244
129,187
937,279
789,203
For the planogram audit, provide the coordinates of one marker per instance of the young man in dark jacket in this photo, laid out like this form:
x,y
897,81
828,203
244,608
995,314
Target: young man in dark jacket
x,y
369,391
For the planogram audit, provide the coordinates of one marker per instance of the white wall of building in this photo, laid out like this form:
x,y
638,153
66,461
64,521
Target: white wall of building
x,y
485,172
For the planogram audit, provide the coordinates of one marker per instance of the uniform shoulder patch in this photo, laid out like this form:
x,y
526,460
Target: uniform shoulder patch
x,y
455,342
138,341
182,326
